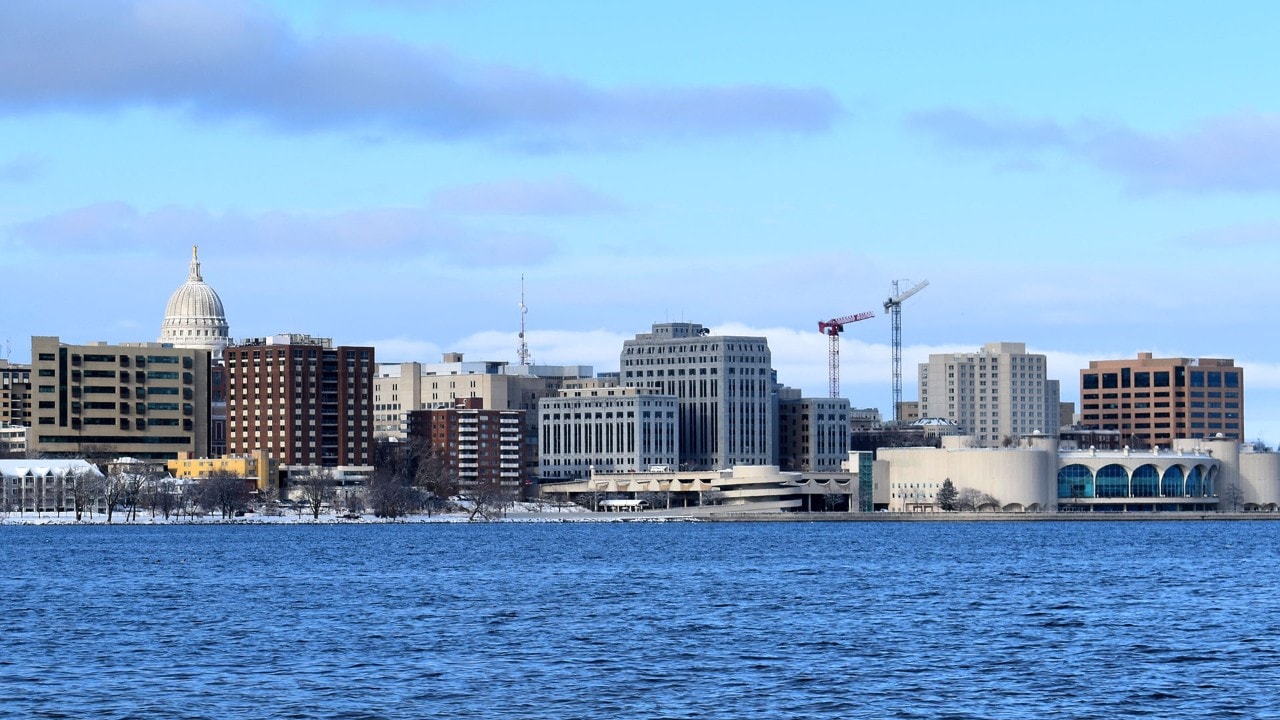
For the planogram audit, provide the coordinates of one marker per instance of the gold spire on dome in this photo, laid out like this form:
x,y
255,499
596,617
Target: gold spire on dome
x,y
195,264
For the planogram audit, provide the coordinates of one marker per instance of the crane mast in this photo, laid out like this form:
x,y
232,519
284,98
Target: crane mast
x,y
893,306
832,329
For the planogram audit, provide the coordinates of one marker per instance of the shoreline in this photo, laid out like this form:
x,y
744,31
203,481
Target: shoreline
x,y
653,517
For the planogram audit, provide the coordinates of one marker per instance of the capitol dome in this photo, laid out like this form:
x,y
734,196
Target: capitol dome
x,y
194,317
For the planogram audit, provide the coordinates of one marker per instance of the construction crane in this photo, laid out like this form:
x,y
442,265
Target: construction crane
x,y
893,306
832,329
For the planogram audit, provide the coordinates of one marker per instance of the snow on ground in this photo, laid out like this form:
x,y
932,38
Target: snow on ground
x,y
519,512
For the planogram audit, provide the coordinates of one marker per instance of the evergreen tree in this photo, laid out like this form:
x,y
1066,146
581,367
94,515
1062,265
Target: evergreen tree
x,y
947,496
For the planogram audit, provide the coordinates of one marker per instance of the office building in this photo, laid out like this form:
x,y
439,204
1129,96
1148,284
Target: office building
x,y
813,432
145,400
15,393
724,386
607,429
1153,401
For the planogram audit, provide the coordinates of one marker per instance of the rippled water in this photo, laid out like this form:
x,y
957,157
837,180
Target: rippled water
x,y
684,620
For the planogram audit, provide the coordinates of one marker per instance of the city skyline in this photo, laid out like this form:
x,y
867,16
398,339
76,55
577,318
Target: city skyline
x,y
1093,181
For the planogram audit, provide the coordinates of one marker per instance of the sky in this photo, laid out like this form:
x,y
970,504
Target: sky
x,y
1093,179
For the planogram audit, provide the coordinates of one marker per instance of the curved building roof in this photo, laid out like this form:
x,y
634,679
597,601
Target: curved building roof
x,y
194,317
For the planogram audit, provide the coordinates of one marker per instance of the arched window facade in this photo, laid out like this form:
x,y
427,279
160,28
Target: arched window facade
x,y
1171,483
1195,482
1112,482
1075,481
1145,482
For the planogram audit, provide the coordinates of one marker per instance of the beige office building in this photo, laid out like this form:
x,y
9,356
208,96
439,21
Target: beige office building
x,y
995,395
1153,401
145,400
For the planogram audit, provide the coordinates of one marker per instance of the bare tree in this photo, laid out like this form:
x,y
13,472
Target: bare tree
x,y
433,476
161,495
973,500
222,491
1232,496
389,496
84,486
114,487
318,490
489,499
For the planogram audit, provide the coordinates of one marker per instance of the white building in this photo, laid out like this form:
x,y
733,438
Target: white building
x,y
607,429
194,316
999,392
725,388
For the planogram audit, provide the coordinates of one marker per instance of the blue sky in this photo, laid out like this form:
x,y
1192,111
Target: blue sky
x,y
1094,179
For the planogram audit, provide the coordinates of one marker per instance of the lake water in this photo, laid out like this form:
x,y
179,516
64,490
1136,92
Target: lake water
x,y
627,620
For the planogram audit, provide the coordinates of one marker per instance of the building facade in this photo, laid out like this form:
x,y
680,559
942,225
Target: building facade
x,y
995,395
301,399
607,429
813,433
725,388
15,394
1153,401
144,400
482,446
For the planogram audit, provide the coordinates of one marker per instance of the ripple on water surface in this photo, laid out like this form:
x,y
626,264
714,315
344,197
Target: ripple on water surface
x,y
621,620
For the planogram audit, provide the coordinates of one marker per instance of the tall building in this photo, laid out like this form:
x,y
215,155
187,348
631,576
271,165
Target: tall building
x,y
15,394
145,400
813,433
724,385
480,446
194,317
301,399
995,395
1156,400
608,429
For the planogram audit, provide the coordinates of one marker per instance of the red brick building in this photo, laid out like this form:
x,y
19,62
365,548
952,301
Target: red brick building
x,y
482,446
303,400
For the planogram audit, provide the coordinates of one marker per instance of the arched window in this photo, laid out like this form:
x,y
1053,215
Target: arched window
x,y
1195,482
1171,483
1146,481
1075,481
1113,482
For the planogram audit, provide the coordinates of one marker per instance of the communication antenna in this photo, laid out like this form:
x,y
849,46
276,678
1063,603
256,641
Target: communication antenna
x,y
522,351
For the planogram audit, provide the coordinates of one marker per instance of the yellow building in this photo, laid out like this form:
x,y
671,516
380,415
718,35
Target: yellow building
x,y
260,466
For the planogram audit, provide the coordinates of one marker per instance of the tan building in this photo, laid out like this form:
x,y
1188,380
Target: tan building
x,y
401,388
1153,401
15,393
145,400
995,395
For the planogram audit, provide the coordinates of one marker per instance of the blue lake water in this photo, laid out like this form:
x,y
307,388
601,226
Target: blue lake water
x,y
623,620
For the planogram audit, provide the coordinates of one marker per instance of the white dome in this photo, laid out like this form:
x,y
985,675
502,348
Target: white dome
x,y
194,317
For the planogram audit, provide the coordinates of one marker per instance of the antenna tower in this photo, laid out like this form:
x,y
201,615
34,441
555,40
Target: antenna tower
x,y
522,351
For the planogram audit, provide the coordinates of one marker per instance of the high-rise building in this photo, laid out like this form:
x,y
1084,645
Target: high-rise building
x,y
1153,401
145,400
607,429
813,433
995,395
724,385
300,398
480,446
15,393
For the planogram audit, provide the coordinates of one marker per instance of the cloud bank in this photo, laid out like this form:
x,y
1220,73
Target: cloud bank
x,y
1228,153
231,60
